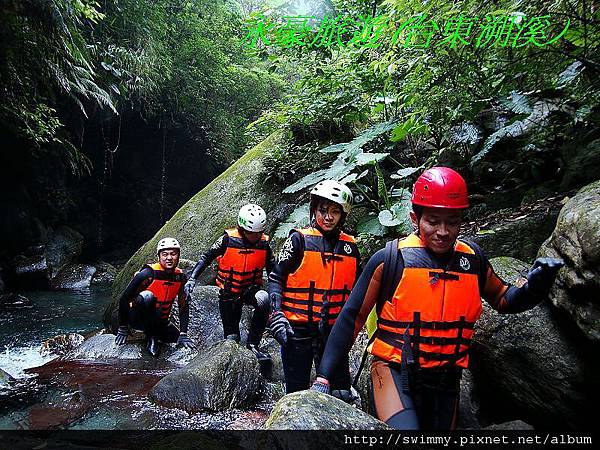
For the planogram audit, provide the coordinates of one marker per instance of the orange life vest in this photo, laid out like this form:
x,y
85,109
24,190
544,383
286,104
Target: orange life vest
x,y
320,286
438,307
165,287
241,266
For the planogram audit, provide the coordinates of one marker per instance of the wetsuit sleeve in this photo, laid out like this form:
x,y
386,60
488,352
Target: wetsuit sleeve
x,y
139,282
184,310
501,296
353,316
288,260
217,249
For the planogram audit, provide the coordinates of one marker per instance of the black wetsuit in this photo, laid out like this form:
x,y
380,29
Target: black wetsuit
x,y
308,342
432,401
230,304
142,314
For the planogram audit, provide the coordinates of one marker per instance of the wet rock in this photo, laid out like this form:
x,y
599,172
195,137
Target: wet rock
x,y
63,248
582,164
468,407
527,367
222,377
514,425
205,327
74,277
5,377
61,344
520,238
576,239
14,301
105,273
310,410
103,346
32,271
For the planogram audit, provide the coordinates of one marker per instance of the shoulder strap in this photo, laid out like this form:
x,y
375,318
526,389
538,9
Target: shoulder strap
x,y
393,266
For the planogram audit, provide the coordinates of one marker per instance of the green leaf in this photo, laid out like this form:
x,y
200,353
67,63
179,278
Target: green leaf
x,y
518,103
297,219
370,225
387,218
569,74
403,173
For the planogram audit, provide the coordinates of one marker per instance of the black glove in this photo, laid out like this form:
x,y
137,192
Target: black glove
x,y
541,276
188,288
185,342
321,387
122,334
280,327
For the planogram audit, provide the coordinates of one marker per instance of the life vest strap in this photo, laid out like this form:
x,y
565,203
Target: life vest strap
x,y
397,339
434,325
315,302
235,272
308,290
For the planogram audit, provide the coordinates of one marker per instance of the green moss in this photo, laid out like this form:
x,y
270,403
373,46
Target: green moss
x,y
198,223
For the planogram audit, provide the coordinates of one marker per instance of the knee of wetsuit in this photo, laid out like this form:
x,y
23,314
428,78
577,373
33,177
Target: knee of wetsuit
x,y
145,298
262,299
344,395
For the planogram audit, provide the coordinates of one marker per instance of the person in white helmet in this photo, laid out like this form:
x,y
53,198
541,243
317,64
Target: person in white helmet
x,y
315,272
242,254
147,301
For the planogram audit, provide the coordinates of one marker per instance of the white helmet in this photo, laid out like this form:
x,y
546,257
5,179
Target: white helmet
x,y
252,218
336,192
167,243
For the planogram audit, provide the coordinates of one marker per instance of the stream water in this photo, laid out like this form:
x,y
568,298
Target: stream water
x,y
51,393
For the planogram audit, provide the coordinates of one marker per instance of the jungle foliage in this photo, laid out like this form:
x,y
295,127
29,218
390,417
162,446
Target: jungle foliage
x,y
466,106
176,62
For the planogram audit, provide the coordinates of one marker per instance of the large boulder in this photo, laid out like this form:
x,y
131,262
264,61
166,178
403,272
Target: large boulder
x,y
516,233
199,223
77,277
582,164
310,410
32,271
576,239
64,247
222,377
528,367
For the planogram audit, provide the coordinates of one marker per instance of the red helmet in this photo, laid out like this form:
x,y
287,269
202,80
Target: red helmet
x,y
440,187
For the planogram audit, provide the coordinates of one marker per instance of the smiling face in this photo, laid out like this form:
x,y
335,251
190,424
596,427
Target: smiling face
x,y
168,258
328,214
438,227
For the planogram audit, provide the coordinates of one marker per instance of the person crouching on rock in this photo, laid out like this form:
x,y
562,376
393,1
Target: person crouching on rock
x,y
242,254
147,300
315,272
427,291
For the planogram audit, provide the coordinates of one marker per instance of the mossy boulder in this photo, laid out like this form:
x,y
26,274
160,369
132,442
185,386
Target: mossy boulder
x,y
310,410
576,239
224,376
200,222
528,366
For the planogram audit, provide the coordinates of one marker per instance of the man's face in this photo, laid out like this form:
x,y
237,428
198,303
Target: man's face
x,y
168,258
328,215
438,227
252,236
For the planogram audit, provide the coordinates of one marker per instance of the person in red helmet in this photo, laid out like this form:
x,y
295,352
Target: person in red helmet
x,y
427,291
